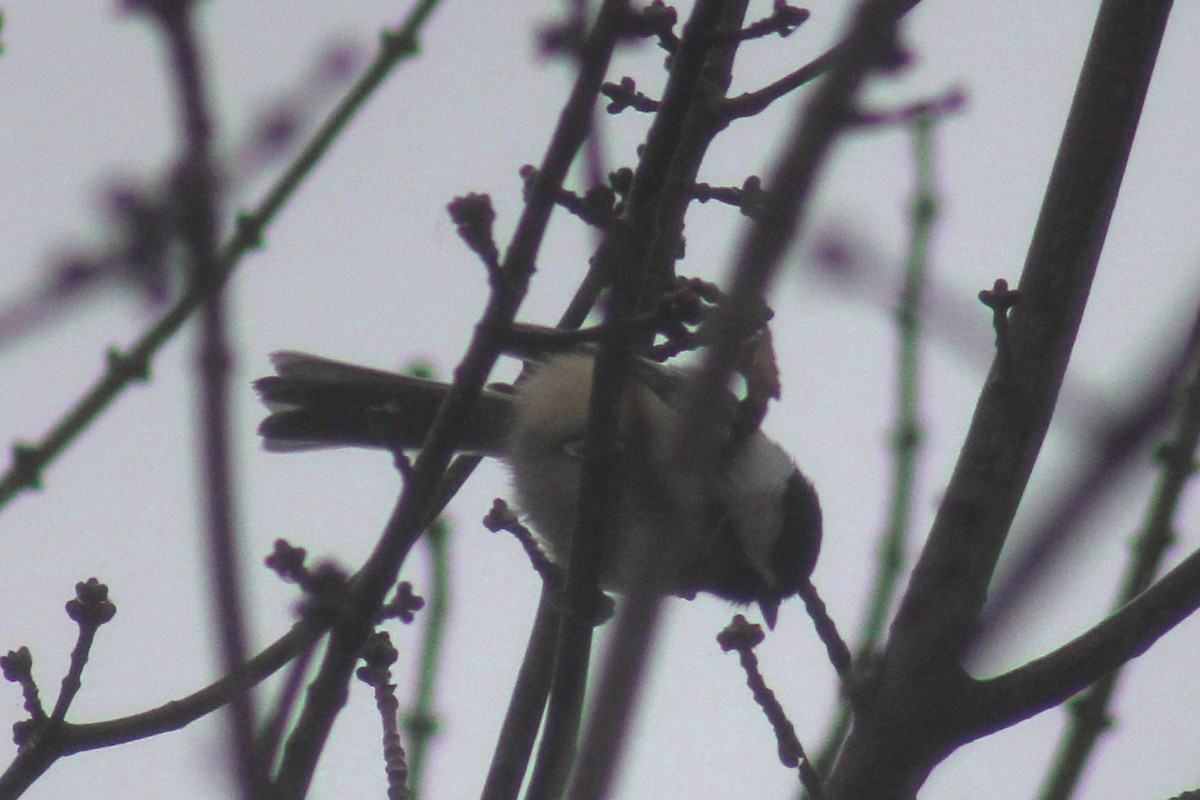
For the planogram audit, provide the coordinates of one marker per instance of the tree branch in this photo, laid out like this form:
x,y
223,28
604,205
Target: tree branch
x,y
327,693
1119,445
128,367
1089,713
196,201
510,760
921,686
941,609
1050,680
33,761
638,257
748,104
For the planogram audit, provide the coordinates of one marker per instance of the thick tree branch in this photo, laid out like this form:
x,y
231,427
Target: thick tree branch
x,y
921,686
1118,445
941,609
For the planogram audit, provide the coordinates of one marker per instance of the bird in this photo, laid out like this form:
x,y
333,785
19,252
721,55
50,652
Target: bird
x,y
758,522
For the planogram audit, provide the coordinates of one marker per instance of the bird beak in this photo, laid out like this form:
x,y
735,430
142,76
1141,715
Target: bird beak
x,y
770,610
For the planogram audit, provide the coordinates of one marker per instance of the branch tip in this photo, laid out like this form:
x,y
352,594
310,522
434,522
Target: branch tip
x,y
474,216
91,606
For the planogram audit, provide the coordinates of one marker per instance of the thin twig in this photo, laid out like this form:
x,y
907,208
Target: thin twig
x,y
90,609
196,203
742,637
835,646
870,46
379,654
906,436
421,721
751,103
124,368
327,693
32,762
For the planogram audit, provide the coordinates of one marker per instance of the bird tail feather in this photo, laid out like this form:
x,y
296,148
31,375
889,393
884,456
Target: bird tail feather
x,y
319,403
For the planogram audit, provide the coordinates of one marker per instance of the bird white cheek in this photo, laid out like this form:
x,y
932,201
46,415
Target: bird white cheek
x,y
753,490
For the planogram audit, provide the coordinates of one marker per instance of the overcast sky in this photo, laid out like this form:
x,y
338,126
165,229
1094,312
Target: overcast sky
x,y
365,265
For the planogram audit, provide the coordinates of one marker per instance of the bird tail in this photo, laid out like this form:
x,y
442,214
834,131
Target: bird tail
x,y
317,402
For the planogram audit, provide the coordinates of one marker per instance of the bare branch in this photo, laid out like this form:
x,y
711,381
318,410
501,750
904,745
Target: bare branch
x,y
196,206
32,761
742,637
1119,445
750,103
940,613
921,683
29,460
328,692
526,705
1050,680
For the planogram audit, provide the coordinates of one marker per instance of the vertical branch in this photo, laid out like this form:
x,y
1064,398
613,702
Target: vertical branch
x,y
421,721
907,433
638,257
870,45
196,206
526,706
906,436
616,695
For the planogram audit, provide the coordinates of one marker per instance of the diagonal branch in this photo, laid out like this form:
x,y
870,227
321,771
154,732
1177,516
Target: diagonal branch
x,y
748,104
31,762
327,693
921,685
1050,680
1119,445
126,368
1089,714
940,613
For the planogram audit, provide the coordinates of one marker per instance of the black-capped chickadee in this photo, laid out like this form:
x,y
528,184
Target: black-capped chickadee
x,y
760,519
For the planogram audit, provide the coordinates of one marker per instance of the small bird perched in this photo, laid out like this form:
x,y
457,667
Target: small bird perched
x,y
759,521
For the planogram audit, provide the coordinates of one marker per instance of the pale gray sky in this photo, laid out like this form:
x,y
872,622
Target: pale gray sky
x,y
365,265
